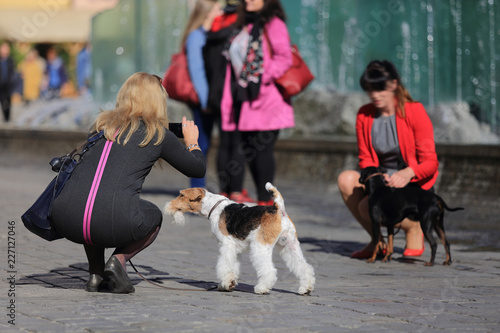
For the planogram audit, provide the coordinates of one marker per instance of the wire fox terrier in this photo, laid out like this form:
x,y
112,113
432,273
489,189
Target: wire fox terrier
x,y
237,226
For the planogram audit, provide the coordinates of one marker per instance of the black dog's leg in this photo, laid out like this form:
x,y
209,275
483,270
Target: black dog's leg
x,y
375,238
439,227
390,243
426,224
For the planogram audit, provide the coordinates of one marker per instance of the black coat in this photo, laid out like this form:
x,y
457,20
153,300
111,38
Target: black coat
x,y
215,65
7,83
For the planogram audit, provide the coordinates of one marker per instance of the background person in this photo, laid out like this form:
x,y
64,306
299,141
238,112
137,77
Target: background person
x,y
193,41
111,213
395,132
32,75
6,79
259,53
55,73
215,67
84,69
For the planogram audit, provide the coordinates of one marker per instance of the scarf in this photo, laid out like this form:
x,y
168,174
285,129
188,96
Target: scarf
x,y
248,83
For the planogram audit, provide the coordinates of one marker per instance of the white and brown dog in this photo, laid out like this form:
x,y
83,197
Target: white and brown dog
x,y
237,226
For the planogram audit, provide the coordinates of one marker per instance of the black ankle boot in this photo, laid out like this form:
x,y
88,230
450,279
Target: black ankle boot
x,y
93,283
119,282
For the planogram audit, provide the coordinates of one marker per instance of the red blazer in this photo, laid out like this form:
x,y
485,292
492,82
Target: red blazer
x,y
416,142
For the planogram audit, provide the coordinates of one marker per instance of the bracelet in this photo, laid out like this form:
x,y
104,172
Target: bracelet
x,y
191,146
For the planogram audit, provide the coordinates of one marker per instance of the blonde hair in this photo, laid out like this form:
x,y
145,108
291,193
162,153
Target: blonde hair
x,y
197,17
141,98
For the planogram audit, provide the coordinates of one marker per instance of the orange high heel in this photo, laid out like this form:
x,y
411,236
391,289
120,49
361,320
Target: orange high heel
x,y
415,252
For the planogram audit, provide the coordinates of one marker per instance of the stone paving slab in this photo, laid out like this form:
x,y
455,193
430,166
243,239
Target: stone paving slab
x,y
350,294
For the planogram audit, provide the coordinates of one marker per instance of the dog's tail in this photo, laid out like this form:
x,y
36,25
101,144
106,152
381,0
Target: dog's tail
x,y
445,206
277,197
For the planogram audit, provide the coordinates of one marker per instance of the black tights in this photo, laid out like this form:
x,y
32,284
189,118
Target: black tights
x,y
257,149
230,163
95,255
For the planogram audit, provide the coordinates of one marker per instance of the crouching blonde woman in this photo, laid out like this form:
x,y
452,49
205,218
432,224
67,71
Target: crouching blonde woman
x,y
100,205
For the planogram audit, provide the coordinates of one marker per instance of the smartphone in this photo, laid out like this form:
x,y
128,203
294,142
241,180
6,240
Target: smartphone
x,y
176,128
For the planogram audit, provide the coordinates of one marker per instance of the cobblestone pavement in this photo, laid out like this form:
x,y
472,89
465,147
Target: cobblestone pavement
x,y
43,290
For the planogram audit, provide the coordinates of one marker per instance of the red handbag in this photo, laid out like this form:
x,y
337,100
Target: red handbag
x,y
177,82
297,78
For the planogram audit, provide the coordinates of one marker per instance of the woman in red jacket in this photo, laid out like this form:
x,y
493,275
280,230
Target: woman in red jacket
x,y
395,132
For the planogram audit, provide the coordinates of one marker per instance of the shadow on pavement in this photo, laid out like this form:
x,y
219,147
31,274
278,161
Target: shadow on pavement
x,y
345,249
75,276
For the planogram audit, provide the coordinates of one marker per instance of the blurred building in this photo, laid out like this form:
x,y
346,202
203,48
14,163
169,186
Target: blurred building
x,y
49,21
65,25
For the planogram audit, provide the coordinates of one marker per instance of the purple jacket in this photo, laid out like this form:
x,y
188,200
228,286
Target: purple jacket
x,y
269,111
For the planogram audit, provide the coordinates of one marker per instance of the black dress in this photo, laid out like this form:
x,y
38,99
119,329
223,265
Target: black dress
x,y
110,212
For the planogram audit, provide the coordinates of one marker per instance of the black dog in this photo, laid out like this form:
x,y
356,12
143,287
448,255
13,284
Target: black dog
x,y
388,206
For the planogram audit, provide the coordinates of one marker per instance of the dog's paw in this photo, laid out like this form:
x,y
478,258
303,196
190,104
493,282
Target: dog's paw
x,y
220,287
305,290
261,290
429,264
227,286
387,257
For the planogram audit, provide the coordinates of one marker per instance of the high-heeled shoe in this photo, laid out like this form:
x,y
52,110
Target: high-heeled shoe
x,y
415,252
119,282
93,283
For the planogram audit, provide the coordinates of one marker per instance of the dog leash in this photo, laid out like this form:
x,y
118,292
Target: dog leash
x,y
165,287
394,233
373,175
178,289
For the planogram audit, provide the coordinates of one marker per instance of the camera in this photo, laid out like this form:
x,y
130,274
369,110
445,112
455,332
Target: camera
x,y
56,164
176,128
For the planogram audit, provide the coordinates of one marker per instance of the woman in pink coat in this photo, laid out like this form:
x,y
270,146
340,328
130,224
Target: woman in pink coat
x,y
252,108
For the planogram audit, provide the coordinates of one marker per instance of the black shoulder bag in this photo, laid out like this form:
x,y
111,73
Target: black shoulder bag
x,y
37,217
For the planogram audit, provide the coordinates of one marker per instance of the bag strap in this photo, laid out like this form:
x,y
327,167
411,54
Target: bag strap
x,y
85,146
66,161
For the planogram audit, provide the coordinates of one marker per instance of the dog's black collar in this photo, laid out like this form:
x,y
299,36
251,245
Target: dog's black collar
x,y
215,206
